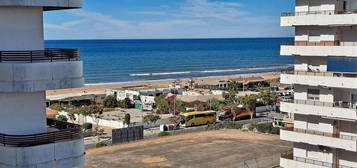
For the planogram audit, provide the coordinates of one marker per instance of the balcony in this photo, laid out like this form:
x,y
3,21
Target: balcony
x,y
319,18
324,79
288,159
323,48
61,131
337,110
47,5
317,138
47,55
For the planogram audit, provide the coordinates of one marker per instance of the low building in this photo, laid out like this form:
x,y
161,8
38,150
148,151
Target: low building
x,y
220,85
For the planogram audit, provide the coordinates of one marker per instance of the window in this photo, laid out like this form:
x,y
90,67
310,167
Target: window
x,y
313,94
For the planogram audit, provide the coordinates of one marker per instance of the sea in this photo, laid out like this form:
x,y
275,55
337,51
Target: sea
x,y
118,61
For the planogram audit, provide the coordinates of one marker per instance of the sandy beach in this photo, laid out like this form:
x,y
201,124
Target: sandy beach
x,y
100,88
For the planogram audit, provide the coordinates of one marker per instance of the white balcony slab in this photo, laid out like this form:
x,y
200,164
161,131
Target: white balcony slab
x,y
319,20
312,139
60,154
336,51
47,4
324,81
33,77
287,163
329,112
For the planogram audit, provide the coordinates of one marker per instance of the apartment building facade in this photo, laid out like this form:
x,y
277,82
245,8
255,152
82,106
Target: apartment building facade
x,y
325,102
27,70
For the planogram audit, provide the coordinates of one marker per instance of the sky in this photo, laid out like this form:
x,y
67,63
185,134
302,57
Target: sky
x,y
168,19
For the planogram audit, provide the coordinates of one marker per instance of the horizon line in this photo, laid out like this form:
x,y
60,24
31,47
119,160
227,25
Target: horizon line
x,y
171,38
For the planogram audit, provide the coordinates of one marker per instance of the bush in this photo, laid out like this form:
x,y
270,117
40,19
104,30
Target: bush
x,y
56,107
101,144
87,126
161,134
224,125
127,119
110,102
62,118
264,128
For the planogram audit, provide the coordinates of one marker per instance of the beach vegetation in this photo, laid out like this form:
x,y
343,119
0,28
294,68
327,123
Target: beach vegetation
x,y
61,107
235,86
151,118
127,119
126,103
164,133
249,102
231,97
216,104
267,97
62,118
87,126
110,102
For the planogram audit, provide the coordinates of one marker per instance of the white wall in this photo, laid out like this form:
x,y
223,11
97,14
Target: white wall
x,y
21,28
23,113
319,20
25,77
61,154
310,63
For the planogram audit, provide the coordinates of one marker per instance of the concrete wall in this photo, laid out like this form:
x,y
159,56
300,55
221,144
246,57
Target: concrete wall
x,y
319,20
21,28
325,81
326,94
40,3
332,112
25,77
311,139
23,113
313,51
62,154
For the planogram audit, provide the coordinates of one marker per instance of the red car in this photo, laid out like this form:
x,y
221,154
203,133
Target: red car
x,y
239,113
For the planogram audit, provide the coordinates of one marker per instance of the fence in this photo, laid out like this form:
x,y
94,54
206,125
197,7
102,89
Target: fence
x,y
127,134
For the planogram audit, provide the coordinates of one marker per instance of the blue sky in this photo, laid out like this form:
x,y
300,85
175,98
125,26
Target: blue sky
x,y
157,19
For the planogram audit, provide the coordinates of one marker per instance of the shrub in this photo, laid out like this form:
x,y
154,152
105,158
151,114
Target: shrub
x,y
224,125
62,118
127,119
101,144
161,134
56,107
110,102
87,126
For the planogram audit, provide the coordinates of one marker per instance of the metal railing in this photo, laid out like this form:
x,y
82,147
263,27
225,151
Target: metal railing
x,y
327,74
65,132
49,55
290,155
321,12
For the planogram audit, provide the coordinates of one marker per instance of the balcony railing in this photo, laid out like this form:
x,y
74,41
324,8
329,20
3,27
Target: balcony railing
x,y
290,156
64,132
47,55
326,74
321,43
321,12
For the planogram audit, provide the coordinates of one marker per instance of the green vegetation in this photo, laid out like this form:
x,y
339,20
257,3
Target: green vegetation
x,y
224,125
101,144
151,118
267,97
62,118
87,126
127,119
126,103
161,134
61,107
264,128
110,102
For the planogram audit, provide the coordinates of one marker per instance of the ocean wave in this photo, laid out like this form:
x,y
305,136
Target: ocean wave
x,y
212,71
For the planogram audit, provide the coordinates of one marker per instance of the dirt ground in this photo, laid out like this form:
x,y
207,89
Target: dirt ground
x,y
222,148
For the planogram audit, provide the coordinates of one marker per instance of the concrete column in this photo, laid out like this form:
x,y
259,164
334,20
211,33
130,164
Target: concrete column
x,y
21,28
23,113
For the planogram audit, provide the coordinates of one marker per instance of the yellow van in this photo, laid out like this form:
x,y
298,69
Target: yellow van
x,y
197,118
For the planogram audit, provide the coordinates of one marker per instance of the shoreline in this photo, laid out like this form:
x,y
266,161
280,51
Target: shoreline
x,y
99,88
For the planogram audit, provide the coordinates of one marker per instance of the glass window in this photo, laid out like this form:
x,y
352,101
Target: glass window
x,y
313,94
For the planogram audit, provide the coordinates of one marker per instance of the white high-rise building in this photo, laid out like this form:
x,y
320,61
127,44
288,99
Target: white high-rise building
x,y
27,70
325,102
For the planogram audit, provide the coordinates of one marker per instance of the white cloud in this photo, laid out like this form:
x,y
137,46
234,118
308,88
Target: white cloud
x,y
153,13
65,26
213,9
96,17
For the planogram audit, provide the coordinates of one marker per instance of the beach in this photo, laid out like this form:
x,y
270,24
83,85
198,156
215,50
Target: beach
x,y
101,87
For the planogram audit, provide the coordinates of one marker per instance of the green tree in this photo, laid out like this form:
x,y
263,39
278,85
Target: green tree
x,y
110,102
231,97
215,104
249,102
127,119
126,103
234,85
151,118
268,98
62,118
